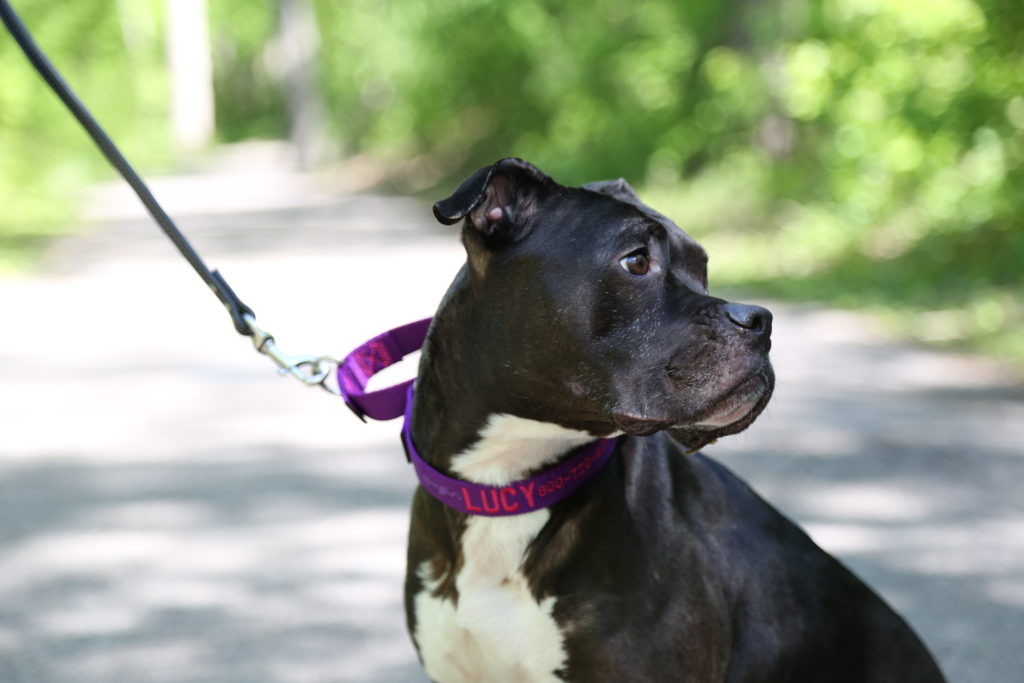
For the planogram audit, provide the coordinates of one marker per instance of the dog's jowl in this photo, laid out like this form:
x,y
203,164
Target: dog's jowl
x,y
582,315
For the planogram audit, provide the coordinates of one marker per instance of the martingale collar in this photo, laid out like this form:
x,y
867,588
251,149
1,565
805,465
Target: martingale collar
x,y
539,491
526,495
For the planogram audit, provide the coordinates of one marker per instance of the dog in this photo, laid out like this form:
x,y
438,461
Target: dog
x,y
583,314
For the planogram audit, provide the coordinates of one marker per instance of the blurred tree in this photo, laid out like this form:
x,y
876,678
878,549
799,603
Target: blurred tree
x,y
249,97
191,74
112,53
299,42
867,152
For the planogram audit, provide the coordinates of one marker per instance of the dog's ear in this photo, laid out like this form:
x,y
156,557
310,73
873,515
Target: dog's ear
x,y
619,189
498,200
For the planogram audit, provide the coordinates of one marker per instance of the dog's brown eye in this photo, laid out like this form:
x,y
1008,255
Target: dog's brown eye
x,y
637,263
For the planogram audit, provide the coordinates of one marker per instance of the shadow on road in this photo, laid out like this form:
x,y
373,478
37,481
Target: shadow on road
x,y
276,566
172,511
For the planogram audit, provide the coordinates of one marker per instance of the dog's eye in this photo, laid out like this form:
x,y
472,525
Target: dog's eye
x,y
637,263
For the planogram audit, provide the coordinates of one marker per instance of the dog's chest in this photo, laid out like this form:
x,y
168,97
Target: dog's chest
x,y
496,630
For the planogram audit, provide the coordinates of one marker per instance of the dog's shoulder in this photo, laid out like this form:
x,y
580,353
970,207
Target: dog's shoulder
x,y
785,593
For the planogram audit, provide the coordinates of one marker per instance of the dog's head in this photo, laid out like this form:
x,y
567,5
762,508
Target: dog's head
x,y
591,310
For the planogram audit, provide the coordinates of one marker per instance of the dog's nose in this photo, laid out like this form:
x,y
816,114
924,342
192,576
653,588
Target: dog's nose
x,y
755,320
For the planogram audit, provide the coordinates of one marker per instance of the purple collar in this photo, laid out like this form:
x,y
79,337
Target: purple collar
x,y
526,495
382,351
540,491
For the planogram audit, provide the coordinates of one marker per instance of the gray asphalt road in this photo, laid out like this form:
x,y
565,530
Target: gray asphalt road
x,y
170,510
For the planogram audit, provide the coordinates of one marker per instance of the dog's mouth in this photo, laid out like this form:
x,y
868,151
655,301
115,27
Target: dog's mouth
x,y
740,402
730,415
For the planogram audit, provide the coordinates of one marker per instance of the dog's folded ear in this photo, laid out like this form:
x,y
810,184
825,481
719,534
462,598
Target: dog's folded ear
x,y
496,199
619,189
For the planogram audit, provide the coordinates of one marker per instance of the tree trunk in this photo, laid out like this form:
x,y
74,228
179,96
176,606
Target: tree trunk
x,y
191,71
299,40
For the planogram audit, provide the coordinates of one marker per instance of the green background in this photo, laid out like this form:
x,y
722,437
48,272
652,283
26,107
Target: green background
x,y
863,153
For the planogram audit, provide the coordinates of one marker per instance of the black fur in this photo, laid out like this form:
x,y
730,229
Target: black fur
x,y
666,567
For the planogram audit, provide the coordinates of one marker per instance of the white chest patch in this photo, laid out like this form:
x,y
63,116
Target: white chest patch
x,y
498,632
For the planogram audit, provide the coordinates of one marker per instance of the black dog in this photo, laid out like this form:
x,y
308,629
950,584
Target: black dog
x,y
583,313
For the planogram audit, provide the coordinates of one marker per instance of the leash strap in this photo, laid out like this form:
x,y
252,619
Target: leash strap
x,y
236,309
310,370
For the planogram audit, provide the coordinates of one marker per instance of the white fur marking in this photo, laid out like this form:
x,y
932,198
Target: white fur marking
x,y
498,632
510,447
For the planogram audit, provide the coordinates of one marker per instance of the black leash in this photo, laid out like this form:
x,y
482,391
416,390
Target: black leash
x,y
309,369
213,279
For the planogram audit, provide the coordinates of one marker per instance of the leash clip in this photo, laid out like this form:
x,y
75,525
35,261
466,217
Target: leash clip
x,y
308,369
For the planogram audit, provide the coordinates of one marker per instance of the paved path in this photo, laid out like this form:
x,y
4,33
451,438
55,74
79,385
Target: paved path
x,y
170,510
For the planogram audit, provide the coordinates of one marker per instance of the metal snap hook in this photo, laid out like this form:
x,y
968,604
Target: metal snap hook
x,y
308,369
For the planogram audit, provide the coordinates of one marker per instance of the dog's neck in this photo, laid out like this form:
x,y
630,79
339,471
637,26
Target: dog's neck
x,y
450,408
459,425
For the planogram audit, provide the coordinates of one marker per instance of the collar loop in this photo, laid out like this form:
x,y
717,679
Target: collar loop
x,y
519,497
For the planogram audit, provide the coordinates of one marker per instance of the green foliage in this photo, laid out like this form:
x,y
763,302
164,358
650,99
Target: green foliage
x,y
112,55
584,89
248,96
901,187
862,152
